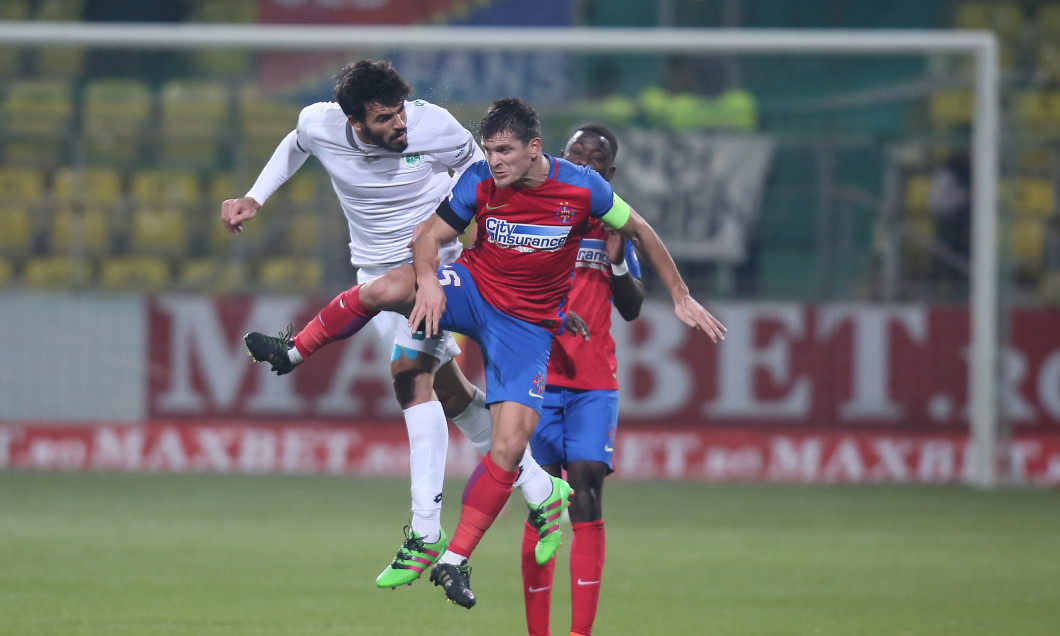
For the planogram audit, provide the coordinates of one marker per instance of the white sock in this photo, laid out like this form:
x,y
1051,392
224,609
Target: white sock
x,y
294,356
535,483
428,444
476,423
452,557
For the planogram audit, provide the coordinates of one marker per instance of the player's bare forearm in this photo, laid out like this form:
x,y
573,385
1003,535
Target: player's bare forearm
x,y
687,309
651,247
430,298
627,293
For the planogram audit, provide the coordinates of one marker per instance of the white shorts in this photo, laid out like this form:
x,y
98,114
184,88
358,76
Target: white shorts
x,y
393,328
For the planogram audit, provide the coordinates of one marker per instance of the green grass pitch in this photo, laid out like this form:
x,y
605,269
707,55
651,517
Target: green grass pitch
x,y
117,554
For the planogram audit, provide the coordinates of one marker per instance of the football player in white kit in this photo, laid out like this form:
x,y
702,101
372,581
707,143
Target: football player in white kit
x,y
390,161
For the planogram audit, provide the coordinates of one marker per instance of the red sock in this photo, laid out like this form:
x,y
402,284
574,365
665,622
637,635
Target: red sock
x,y
486,493
341,318
537,585
586,571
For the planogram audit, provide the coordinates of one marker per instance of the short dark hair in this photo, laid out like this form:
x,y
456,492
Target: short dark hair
x,y
601,131
513,115
369,82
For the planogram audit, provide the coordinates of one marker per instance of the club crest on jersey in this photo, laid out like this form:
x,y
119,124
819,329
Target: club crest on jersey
x,y
412,161
525,237
564,213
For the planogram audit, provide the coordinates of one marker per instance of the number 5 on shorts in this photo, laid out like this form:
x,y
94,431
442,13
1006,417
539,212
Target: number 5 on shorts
x,y
449,277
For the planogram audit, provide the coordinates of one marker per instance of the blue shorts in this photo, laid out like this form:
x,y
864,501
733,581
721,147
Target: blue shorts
x,y
515,351
576,424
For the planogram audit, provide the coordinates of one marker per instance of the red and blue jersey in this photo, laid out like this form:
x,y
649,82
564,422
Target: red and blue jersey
x,y
528,238
575,363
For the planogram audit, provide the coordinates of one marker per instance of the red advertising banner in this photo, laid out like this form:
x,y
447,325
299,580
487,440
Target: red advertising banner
x,y
739,455
785,366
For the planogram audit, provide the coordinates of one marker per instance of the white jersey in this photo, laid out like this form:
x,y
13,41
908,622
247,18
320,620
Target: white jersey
x,y
384,194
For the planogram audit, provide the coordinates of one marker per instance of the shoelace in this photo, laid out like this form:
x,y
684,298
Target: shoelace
x,y
537,519
412,542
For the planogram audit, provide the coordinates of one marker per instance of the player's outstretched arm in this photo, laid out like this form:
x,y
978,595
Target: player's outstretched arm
x,y
687,309
430,298
285,161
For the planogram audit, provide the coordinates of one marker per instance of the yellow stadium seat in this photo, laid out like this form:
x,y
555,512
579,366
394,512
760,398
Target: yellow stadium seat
x,y
141,273
291,274
81,229
57,272
1028,245
159,230
21,185
214,274
193,119
1038,111
1035,198
165,187
264,120
116,113
39,107
16,229
37,117
97,186
917,188
951,108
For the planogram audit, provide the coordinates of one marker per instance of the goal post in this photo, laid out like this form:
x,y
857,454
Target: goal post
x,y
981,46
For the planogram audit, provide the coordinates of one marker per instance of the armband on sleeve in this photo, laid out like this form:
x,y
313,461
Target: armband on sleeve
x,y
617,216
450,217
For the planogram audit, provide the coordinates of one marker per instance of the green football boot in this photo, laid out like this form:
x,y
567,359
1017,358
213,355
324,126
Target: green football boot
x,y
545,517
412,559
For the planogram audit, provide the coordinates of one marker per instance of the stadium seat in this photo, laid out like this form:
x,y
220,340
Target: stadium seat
x,y
16,229
37,116
291,274
10,56
141,273
159,230
96,186
23,185
917,188
1027,244
194,119
81,230
57,272
1038,112
165,187
116,112
1034,197
950,109
214,274
263,121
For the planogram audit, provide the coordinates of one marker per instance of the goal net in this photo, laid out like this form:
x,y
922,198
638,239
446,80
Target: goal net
x,y
797,176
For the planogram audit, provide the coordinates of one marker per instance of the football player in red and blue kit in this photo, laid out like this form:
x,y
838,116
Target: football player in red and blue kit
x,y
579,420
508,293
